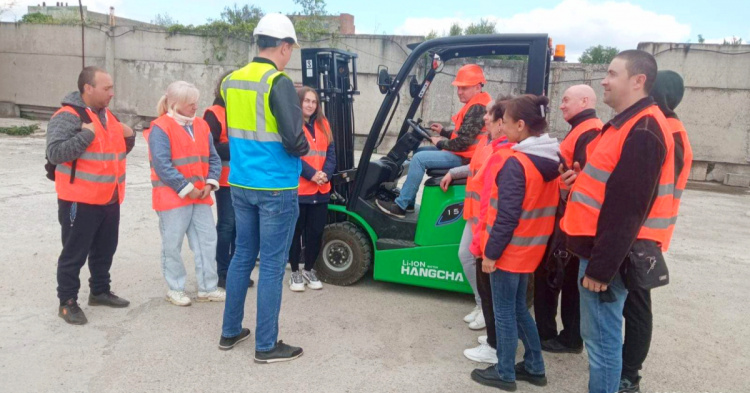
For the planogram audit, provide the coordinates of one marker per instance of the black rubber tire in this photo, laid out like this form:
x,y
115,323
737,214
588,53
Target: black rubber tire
x,y
361,253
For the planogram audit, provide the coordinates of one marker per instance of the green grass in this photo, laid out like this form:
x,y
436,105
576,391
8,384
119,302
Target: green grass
x,y
19,131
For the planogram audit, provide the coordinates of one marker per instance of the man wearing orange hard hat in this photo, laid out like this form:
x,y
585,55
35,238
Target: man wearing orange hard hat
x,y
454,147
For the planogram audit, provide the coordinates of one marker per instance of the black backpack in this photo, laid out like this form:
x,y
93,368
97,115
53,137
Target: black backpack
x,y
50,167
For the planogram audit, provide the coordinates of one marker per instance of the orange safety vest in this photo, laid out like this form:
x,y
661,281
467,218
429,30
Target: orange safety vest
x,y
189,157
677,128
100,170
526,249
483,99
587,194
221,114
568,146
474,184
316,157
486,178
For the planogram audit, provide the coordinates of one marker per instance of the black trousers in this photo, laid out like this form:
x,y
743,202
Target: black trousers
x,y
545,305
638,329
88,232
308,234
485,293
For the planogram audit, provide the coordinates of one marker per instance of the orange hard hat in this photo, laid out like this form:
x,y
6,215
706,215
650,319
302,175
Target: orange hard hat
x,y
469,75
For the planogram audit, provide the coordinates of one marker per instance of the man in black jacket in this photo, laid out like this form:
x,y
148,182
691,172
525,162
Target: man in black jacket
x,y
629,192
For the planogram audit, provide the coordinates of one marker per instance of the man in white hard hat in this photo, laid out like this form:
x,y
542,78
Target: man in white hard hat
x,y
266,141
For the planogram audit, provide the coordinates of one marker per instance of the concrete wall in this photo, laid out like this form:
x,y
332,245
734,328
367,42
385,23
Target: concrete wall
x,y
715,106
39,64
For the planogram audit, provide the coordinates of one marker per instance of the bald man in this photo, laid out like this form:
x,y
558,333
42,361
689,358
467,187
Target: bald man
x,y
559,272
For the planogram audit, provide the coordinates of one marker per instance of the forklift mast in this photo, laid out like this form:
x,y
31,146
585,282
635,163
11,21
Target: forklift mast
x,y
333,74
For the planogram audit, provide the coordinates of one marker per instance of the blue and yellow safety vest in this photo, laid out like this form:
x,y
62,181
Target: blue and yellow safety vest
x,y
259,160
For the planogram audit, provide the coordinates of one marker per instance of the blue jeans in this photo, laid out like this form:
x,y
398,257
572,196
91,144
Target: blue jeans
x,y
601,330
424,159
225,230
513,321
265,224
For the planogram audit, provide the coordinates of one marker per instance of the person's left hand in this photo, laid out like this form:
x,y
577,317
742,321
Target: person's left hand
x,y
436,139
127,132
445,182
593,285
488,265
206,191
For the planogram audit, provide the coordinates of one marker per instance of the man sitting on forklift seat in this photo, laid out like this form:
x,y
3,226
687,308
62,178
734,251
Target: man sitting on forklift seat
x,y
447,153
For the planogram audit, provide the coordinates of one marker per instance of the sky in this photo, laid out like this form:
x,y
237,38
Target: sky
x,y
578,24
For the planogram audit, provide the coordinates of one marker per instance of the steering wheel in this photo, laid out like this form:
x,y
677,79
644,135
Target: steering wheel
x,y
419,129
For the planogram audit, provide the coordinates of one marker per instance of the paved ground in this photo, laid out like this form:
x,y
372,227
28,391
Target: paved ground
x,y
368,337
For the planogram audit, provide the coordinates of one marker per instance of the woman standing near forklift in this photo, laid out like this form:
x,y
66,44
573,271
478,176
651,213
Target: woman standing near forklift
x,y
314,191
520,219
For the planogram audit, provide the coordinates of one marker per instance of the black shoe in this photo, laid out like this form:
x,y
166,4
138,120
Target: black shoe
x,y
410,209
108,299
391,208
71,313
281,353
223,283
630,387
227,343
490,377
554,345
523,375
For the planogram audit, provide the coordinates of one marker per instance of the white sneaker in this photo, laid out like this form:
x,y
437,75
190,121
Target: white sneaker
x,y
296,282
473,314
482,354
218,295
482,339
478,322
178,298
311,279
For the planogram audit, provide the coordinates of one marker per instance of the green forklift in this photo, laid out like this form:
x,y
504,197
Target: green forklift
x,y
422,248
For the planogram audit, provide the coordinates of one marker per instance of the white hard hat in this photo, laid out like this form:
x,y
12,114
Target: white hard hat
x,y
276,26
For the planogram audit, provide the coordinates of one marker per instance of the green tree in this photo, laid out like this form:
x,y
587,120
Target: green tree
x,y
733,41
37,17
598,55
164,20
455,30
431,35
312,22
484,26
701,39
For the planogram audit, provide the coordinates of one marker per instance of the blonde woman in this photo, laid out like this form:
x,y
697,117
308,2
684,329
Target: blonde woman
x,y
185,168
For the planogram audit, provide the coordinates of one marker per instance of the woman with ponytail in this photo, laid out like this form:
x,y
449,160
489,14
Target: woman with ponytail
x,y
185,168
519,220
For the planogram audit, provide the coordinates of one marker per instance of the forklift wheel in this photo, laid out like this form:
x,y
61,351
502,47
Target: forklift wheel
x,y
345,256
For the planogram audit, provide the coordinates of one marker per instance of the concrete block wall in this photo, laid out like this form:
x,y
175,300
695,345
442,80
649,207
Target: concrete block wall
x,y
39,65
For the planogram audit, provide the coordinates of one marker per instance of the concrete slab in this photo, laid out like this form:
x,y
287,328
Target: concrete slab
x,y
372,336
737,180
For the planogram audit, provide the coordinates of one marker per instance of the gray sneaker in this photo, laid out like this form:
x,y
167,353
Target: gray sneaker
x,y
296,282
311,279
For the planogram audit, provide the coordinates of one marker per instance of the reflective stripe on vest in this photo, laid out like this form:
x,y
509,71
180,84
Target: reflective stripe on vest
x,y
256,128
588,192
536,224
482,99
316,158
100,170
190,156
